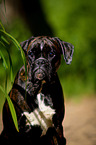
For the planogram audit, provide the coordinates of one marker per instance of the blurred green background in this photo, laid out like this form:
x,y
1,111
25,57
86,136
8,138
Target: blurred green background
x,y
73,21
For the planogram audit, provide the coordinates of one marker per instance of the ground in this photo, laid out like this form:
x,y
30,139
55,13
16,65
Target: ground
x,y
79,123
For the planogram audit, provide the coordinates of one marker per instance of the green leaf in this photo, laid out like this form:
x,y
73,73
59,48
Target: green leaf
x,y
11,67
13,113
2,26
5,63
11,75
4,60
12,109
4,40
2,44
16,43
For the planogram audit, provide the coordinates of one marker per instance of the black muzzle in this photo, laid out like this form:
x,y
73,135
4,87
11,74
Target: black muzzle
x,y
40,70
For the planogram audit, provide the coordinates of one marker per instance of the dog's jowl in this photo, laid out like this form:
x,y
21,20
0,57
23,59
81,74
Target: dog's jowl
x,y
39,100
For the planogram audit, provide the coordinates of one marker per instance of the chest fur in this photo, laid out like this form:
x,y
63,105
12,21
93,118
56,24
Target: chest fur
x,y
41,116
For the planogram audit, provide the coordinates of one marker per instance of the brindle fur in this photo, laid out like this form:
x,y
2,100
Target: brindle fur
x,y
24,98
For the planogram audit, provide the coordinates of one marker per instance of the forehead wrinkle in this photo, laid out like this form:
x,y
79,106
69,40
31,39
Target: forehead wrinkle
x,y
31,43
42,45
42,41
35,44
48,42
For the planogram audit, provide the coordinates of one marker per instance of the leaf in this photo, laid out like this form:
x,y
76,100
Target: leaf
x,y
11,67
3,39
11,75
4,60
12,109
16,43
2,26
5,63
13,113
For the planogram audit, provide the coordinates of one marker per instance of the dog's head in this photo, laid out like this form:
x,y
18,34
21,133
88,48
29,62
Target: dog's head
x,y
44,55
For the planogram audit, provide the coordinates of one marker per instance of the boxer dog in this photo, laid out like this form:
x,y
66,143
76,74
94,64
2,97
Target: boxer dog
x,y
38,97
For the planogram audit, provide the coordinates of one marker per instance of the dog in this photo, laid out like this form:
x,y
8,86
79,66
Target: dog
x,y
38,96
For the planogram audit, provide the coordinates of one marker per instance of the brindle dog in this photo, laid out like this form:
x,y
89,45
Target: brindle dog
x,y
38,101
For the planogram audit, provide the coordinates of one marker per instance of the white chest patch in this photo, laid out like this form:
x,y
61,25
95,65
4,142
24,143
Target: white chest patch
x,y
41,116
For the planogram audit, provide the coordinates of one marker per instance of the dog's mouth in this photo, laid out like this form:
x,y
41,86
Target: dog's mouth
x,y
39,74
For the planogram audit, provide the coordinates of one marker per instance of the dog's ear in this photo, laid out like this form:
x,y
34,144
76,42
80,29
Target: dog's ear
x,y
25,44
67,50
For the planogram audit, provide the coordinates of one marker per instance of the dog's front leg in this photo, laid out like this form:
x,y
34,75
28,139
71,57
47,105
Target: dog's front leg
x,y
54,90
59,116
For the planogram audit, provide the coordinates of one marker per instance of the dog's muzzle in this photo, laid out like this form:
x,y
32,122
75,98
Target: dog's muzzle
x,y
40,68
39,74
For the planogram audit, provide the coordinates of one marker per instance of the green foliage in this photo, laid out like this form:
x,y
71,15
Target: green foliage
x,y
12,109
17,44
4,45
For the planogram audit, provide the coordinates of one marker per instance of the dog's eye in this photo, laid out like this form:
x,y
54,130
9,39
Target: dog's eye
x,y
51,54
30,53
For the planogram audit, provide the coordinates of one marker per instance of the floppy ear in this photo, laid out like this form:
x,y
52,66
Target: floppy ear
x,y
26,43
67,50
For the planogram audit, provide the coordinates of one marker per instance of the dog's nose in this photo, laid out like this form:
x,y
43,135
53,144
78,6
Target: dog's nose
x,y
40,68
40,61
